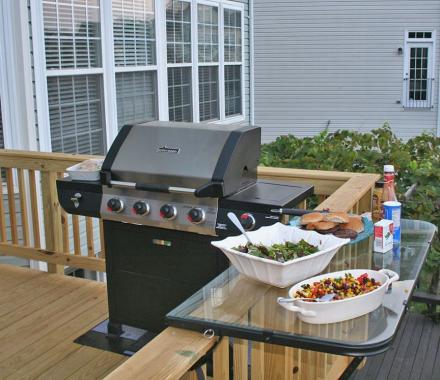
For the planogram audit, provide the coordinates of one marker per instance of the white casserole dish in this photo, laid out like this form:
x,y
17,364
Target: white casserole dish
x,y
87,170
345,309
273,272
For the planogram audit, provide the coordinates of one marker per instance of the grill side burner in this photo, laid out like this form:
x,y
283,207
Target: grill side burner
x,y
164,195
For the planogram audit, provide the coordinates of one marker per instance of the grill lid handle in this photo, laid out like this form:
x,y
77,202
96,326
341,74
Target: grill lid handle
x,y
157,188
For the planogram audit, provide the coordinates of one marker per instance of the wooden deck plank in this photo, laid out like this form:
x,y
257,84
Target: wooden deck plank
x,y
414,354
430,357
420,353
99,367
27,292
71,363
36,335
43,354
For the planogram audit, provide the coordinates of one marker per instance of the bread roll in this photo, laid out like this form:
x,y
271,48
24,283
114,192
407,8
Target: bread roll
x,y
323,226
355,223
311,218
337,217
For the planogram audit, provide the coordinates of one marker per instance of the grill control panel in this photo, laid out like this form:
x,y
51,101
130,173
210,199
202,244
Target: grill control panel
x,y
173,211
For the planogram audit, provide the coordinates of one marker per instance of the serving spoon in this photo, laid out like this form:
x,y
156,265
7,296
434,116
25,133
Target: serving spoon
x,y
233,218
324,298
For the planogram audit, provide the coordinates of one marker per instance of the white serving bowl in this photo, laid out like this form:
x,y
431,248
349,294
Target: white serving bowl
x,y
345,309
273,272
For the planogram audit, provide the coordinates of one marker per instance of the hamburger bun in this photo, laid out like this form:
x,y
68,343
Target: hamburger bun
x,y
324,226
310,226
313,217
337,217
355,223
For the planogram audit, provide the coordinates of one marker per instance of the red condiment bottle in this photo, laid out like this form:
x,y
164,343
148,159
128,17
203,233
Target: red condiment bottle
x,y
389,189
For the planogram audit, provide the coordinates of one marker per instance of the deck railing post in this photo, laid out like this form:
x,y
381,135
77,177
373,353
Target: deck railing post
x,y
52,218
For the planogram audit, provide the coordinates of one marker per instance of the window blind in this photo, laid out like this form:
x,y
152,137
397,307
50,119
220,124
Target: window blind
x,y
232,90
207,27
136,97
232,35
179,94
72,34
208,93
75,113
178,18
134,32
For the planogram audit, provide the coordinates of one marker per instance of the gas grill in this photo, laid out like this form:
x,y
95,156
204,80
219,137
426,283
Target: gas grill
x,y
164,193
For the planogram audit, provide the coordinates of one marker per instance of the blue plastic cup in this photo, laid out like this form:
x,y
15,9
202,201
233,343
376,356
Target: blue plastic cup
x,y
392,210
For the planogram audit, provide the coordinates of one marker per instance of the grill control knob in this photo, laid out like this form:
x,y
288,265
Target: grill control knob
x,y
168,212
247,221
141,208
115,205
196,215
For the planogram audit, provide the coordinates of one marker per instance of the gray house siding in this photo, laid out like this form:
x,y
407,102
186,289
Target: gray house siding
x,y
336,63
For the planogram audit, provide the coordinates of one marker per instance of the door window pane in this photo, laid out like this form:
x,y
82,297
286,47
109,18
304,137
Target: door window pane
x,y
75,112
134,32
179,94
136,97
72,34
178,18
232,35
418,73
233,90
207,26
208,93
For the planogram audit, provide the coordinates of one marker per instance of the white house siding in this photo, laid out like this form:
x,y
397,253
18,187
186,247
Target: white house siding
x,y
336,62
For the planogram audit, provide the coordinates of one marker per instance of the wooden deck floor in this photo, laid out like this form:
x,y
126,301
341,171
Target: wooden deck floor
x,y
415,353
40,316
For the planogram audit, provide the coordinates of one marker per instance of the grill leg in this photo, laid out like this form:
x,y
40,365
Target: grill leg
x,y
114,329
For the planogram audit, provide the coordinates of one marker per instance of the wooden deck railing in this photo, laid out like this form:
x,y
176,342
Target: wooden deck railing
x,y
33,226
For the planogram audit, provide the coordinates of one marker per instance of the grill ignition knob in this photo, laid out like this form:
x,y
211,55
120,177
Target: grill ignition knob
x,y
196,215
115,205
168,212
247,221
141,208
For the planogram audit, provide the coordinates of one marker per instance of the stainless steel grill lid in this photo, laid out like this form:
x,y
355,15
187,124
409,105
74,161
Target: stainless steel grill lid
x,y
214,160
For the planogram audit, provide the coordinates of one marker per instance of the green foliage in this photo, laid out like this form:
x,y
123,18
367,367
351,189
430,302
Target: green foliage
x,y
415,161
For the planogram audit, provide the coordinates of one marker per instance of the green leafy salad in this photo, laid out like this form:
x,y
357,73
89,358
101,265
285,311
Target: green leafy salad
x,y
281,252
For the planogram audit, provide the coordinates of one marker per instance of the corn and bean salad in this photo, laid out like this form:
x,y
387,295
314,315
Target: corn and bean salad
x,y
343,287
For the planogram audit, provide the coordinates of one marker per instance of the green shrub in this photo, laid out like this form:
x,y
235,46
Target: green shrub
x,y
415,161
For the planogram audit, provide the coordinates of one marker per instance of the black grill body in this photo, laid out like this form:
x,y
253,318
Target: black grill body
x,y
152,270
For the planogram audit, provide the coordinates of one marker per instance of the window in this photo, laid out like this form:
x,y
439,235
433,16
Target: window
x,y
232,90
136,97
208,92
204,49
233,62
418,73
178,19
72,39
208,54
134,40
75,113
179,93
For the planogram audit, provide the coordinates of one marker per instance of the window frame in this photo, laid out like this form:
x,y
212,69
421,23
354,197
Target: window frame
x,y
410,43
108,70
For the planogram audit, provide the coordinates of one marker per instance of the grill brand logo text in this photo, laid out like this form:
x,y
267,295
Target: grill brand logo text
x,y
167,149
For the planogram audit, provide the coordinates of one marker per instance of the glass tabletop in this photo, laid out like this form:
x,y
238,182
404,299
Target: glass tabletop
x,y
237,306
